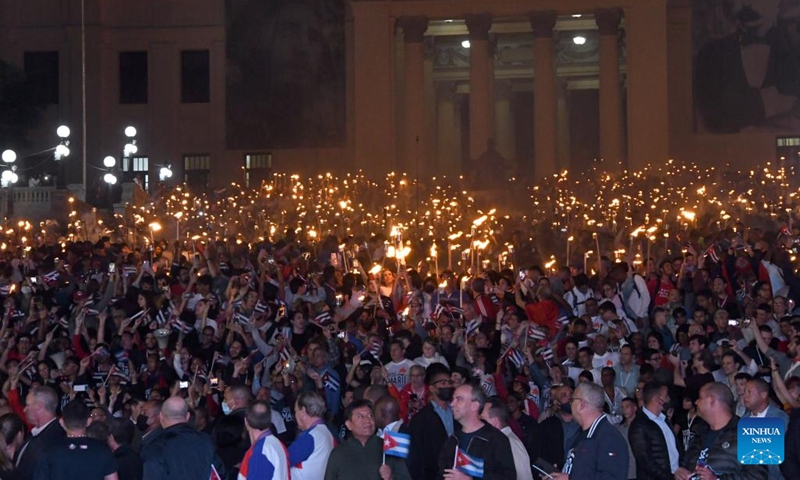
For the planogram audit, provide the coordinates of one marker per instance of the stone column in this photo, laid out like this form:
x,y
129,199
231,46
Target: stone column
x,y
504,120
414,101
481,105
545,133
373,88
647,87
611,137
448,155
563,125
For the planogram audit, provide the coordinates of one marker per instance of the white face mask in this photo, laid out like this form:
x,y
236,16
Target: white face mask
x,y
26,290
225,408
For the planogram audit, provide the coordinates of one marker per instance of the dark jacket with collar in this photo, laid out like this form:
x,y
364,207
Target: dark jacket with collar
x,y
490,445
650,449
178,453
722,455
599,453
427,436
549,441
31,451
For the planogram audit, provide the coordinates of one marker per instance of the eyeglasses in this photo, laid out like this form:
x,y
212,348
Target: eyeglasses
x,y
575,398
445,381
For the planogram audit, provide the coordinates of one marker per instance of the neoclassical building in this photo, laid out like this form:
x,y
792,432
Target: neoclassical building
x,y
227,90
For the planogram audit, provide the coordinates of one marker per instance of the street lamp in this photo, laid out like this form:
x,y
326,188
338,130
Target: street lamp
x,y
63,131
165,172
62,149
9,156
130,147
109,163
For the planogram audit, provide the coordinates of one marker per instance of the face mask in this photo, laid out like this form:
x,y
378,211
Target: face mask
x,y
26,290
141,422
446,394
225,408
567,408
429,289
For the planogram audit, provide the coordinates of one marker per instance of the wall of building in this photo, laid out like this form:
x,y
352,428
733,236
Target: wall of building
x,y
740,150
660,70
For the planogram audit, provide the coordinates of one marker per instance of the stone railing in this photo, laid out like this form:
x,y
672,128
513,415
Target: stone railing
x,y
33,203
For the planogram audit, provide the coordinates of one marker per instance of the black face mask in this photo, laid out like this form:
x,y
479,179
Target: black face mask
x,y
445,394
566,408
429,289
141,422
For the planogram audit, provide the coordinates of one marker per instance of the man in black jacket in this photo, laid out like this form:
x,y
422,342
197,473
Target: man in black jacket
x,y
40,409
178,452
713,452
477,439
431,426
555,435
651,438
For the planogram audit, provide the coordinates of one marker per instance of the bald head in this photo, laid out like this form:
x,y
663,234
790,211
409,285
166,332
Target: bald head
x,y
373,393
387,411
175,410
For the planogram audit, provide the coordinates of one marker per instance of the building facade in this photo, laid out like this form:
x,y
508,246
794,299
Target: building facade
x,y
428,87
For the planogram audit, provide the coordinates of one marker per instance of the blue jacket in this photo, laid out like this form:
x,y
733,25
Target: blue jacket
x,y
599,453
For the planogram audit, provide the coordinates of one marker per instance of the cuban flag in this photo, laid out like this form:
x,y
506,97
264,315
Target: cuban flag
x,y
331,383
180,326
323,319
162,317
260,308
4,289
536,333
396,444
473,326
546,353
51,278
129,271
375,349
284,355
438,311
121,356
454,311
514,356
241,318
468,464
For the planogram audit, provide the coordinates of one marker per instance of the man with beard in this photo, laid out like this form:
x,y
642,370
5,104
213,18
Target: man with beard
x,y
432,425
748,77
556,434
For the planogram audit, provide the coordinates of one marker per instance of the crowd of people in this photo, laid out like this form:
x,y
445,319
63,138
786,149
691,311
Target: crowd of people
x,y
233,360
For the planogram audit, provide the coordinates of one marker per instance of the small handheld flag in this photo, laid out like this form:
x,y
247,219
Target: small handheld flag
x,y
468,464
396,444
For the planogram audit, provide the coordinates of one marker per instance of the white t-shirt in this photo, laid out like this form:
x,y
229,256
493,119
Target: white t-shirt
x,y
398,372
609,359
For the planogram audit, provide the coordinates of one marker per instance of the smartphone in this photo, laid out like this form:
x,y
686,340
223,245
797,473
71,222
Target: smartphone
x,y
183,384
214,382
196,257
522,274
112,267
80,388
33,280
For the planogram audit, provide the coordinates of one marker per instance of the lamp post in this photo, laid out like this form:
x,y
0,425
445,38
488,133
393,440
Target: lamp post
x,y
9,177
61,151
